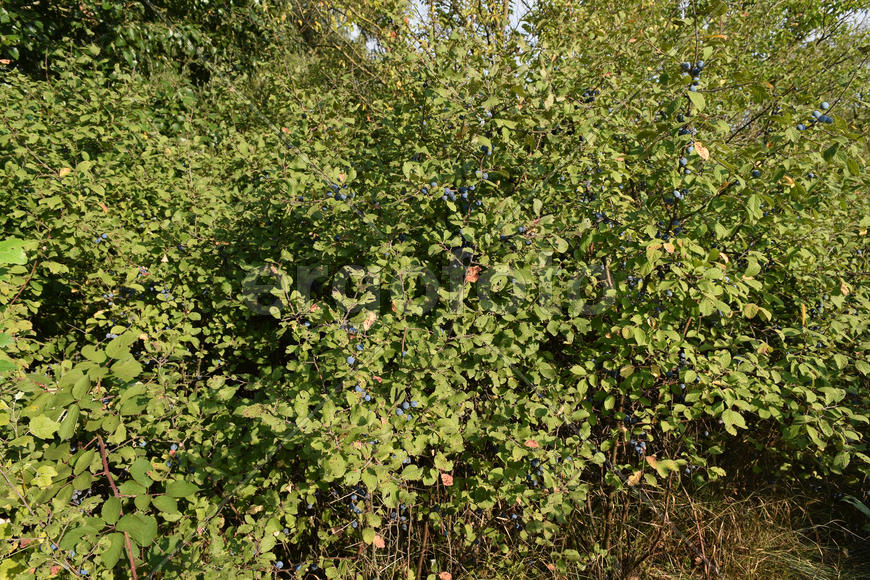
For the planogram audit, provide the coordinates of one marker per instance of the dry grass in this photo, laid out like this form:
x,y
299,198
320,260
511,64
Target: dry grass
x,y
763,538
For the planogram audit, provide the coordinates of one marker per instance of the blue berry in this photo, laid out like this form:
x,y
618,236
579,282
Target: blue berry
x,y
826,106
801,127
350,360
279,564
173,447
399,412
359,346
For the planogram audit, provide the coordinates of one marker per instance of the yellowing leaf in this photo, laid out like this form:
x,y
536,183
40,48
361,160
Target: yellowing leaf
x,y
64,172
702,151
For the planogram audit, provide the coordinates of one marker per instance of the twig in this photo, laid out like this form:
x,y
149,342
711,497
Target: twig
x,y
700,534
18,493
111,479
23,286
423,551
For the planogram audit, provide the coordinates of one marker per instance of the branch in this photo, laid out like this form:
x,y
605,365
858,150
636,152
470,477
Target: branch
x,y
108,475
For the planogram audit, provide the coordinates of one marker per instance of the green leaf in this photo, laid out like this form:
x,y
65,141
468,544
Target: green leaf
x,y
731,419
139,471
180,488
43,427
165,504
12,252
111,510
368,535
44,476
412,473
112,554
93,354
127,370
697,100
68,425
142,528
335,467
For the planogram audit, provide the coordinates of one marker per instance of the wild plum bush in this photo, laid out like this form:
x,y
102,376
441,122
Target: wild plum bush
x,y
436,296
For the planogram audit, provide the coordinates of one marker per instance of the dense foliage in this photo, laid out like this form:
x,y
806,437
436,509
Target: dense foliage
x,y
354,291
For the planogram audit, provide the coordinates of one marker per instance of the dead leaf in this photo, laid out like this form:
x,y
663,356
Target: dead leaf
x,y
370,320
445,576
164,259
702,151
634,478
378,541
104,208
313,308
531,443
64,171
285,129
5,61
342,177
446,479
472,274
788,181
